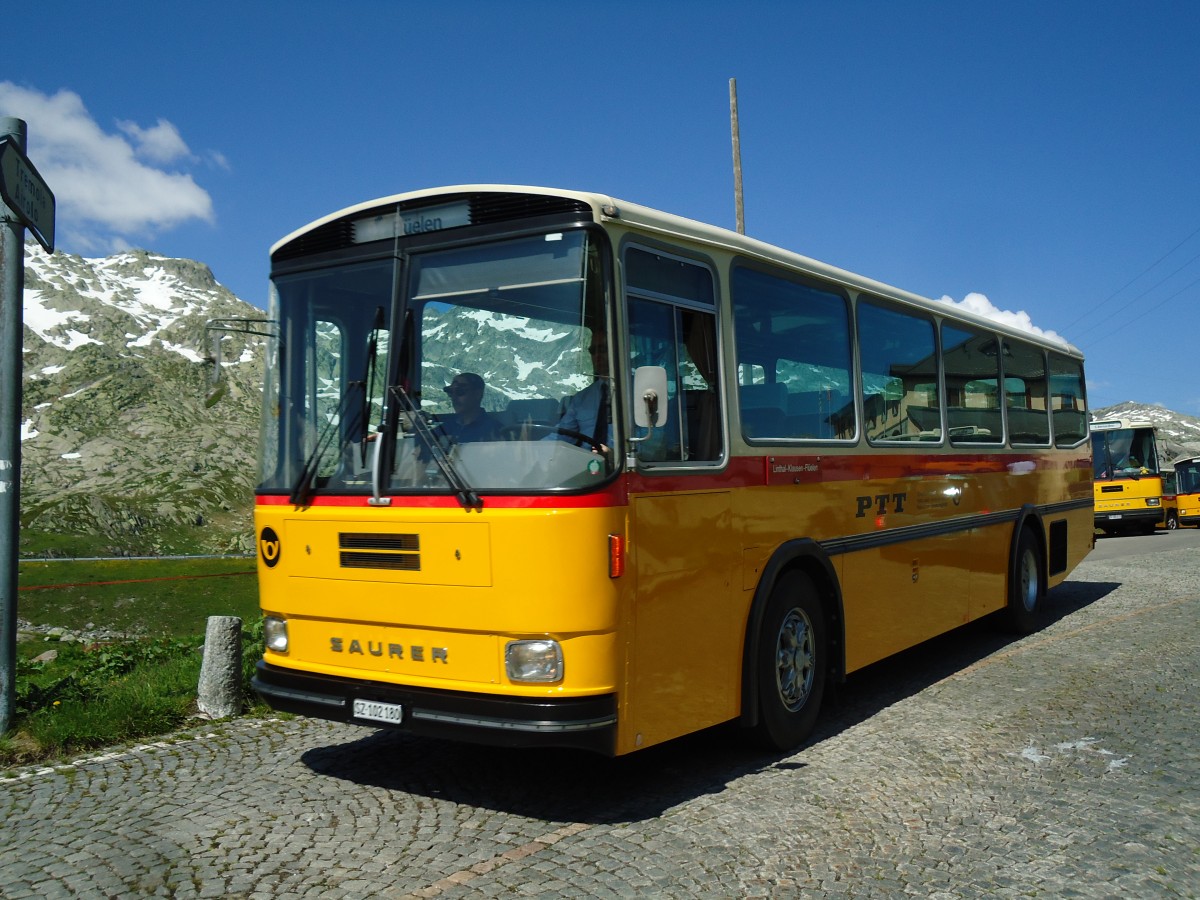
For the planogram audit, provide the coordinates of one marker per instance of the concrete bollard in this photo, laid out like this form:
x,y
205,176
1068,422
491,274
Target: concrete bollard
x,y
220,691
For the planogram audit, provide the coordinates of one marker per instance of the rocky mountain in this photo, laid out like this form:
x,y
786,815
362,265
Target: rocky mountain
x,y
116,439
1178,434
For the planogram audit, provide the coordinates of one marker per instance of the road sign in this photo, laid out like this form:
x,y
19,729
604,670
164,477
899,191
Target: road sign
x,y
26,193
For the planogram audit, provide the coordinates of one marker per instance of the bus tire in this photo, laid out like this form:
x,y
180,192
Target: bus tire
x,y
792,663
1026,586
1172,520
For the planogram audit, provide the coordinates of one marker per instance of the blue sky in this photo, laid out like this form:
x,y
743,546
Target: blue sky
x,y
1041,155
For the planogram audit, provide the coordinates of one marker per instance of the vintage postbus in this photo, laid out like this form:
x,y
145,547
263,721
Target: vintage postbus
x,y
543,467
1128,481
1187,490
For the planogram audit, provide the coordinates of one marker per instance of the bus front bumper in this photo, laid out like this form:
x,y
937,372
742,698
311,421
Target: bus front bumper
x,y
585,723
1121,518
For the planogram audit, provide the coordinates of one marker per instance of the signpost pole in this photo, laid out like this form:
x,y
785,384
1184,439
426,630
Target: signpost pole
x,y
12,290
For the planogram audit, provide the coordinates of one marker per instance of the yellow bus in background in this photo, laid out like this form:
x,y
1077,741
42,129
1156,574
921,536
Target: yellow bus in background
x,y
1187,490
1170,502
1128,482
546,468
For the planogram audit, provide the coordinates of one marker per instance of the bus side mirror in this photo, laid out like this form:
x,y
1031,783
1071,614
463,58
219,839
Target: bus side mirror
x,y
215,331
216,372
650,396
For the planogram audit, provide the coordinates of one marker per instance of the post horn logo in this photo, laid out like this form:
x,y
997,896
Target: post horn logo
x,y
268,547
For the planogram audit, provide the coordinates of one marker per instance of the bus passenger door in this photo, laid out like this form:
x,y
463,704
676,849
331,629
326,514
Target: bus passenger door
x,y
685,654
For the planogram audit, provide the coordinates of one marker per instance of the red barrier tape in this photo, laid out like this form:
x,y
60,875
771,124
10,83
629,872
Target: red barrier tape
x,y
46,587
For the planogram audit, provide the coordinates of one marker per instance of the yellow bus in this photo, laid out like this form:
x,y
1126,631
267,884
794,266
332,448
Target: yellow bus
x,y
546,468
1128,481
1187,490
1170,502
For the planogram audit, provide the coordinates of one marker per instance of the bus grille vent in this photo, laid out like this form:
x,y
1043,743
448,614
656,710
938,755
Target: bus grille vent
x,y
396,552
402,562
490,208
331,236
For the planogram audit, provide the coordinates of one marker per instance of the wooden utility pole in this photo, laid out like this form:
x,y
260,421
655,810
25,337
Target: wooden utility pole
x,y
737,157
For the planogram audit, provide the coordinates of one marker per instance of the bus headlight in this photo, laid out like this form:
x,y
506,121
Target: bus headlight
x,y
540,661
275,635
1153,501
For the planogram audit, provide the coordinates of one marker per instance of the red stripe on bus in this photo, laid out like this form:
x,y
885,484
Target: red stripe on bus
x,y
613,495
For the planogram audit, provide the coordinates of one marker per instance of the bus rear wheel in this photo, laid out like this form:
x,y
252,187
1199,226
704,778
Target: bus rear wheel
x,y
1026,586
792,663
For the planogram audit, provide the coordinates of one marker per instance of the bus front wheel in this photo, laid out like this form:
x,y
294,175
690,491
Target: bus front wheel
x,y
792,663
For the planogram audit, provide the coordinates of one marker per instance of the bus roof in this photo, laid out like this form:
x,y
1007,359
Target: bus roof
x,y
675,227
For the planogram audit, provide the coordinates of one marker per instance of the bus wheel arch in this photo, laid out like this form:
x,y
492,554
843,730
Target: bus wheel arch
x,y
1027,575
794,645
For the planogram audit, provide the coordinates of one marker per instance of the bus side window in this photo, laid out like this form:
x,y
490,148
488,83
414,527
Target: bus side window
x,y
1025,394
899,374
673,325
793,358
1067,401
971,363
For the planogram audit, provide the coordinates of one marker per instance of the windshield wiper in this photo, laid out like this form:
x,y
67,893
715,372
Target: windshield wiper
x,y
464,492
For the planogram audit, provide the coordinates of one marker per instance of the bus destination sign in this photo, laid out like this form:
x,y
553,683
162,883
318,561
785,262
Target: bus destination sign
x,y
412,221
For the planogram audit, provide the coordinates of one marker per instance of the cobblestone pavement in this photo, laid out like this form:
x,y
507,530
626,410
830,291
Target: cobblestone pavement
x,y
1063,764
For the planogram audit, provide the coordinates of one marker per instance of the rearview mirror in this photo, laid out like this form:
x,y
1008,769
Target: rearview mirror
x,y
650,396
215,331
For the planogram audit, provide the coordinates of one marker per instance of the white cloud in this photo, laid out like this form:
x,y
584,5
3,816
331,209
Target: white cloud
x,y
160,144
109,192
980,305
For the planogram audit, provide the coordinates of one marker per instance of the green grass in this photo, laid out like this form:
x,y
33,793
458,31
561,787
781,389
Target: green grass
x,y
154,597
100,694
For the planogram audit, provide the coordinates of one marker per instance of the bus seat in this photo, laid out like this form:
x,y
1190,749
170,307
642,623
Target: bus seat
x,y
1070,425
811,413
764,423
763,396
763,409
927,419
807,425
1028,426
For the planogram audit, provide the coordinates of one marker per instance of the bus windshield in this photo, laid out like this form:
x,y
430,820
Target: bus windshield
x,y
1187,477
1124,453
478,368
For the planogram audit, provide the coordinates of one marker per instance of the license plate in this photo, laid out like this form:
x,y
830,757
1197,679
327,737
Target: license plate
x,y
391,713
1114,515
